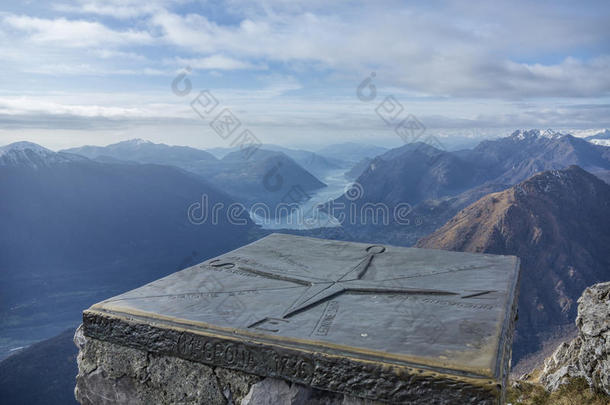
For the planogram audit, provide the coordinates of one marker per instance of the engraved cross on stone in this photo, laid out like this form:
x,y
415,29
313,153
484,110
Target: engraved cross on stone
x,y
320,290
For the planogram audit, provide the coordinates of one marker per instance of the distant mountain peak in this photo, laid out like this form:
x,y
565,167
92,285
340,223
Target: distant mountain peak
x,y
522,134
143,151
603,134
601,138
137,141
32,155
24,145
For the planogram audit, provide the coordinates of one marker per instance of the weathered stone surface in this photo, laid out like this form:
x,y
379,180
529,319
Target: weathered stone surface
x,y
114,374
235,385
274,391
279,392
588,355
379,322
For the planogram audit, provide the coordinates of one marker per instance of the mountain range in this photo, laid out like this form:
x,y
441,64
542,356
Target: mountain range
x,y
142,151
84,224
513,159
28,154
437,183
261,177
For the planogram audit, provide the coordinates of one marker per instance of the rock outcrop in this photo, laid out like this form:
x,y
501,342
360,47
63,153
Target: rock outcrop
x,y
588,355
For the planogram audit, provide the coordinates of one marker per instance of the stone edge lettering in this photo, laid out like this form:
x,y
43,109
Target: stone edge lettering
x,y
367,379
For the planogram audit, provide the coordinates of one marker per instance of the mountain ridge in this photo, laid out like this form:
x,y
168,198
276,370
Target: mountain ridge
x,y
32,155
249,178
440,183
143,151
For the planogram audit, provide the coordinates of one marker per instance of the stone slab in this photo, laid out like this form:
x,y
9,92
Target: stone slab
x,y
379,322
110,374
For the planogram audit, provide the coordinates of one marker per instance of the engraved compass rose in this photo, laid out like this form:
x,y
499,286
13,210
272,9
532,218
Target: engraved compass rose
x,y
322,289
422,323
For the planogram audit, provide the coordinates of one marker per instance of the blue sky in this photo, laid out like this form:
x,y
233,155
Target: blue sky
x,y
96,72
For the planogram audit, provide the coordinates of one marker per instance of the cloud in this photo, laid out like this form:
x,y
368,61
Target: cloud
x,y
120,9
292,67
549,116
219,62
485,77
299,37
61,32
429,51
458,50
91,70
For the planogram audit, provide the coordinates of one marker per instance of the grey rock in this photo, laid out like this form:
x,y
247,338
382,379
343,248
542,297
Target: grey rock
x,y
109,373
272,391
593,310
114,374
348,400
588,355
235,384
79,338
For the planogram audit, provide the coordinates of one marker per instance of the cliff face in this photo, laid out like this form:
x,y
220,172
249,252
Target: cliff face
x,y
558,223
588,355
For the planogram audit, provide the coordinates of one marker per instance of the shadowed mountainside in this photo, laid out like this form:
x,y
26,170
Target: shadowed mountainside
x,y
75,231
42,374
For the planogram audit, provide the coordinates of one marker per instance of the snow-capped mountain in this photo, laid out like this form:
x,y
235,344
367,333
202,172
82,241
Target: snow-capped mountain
x,y
601,138
138,141
33,155
605,134
522,134
23,146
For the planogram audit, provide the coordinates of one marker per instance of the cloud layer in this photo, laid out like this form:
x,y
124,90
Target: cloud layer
x,y
475,62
